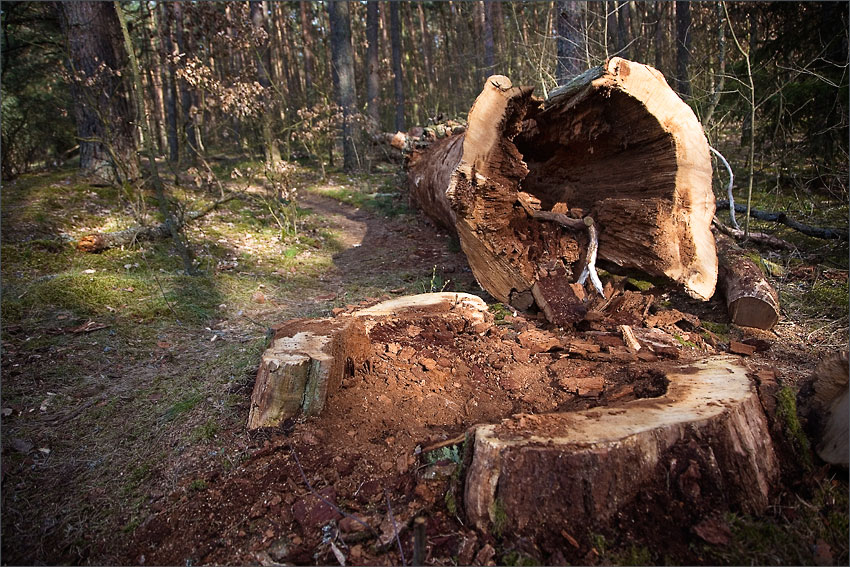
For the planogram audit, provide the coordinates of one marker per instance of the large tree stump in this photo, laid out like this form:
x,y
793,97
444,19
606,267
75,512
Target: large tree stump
x,y
543,473
615,144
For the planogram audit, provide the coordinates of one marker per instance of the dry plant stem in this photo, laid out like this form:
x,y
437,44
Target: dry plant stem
x,y
728,188
395,528
170,221
592,246
752,102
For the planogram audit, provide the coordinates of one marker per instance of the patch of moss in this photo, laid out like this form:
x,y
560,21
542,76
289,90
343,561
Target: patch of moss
x,y
198,485
451,502
634,555
683,342
720,330
499,312
641,285
786,410
499,517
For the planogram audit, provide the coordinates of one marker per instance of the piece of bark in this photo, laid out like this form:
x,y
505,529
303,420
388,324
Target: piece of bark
x,y
657,341
563,303
539,474
741,348
750,299
618,144
831,397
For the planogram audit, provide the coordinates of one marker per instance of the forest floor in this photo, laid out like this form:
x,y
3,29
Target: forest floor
x,y
126,388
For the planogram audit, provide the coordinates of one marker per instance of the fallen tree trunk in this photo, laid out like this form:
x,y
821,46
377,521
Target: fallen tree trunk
x,y
782,218
93,243
615,144
750,299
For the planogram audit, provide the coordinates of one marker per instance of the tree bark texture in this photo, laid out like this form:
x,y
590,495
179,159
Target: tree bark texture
x,y
615,144
103,110
263,63
750,299
343,72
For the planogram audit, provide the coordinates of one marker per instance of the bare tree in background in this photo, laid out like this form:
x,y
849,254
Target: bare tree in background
x,y
398,80
571,40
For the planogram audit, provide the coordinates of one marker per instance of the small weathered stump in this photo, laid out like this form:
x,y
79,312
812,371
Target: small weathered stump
x,y
310,357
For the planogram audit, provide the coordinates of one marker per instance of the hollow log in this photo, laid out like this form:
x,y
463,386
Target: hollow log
x,y
570,471
615,144
750,299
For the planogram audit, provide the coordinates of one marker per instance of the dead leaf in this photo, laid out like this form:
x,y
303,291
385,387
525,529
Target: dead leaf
x,y
326,297
823,553
89,326
7,412
131,289
258,297
163,344
714,530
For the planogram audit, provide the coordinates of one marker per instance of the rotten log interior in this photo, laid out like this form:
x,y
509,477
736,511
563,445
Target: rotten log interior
x,y
615,144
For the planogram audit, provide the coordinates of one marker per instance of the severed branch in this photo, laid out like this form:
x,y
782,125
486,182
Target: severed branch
x,y
585,223
813,231
757,237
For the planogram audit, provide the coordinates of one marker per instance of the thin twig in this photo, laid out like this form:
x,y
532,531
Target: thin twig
x,y
395,528
325,500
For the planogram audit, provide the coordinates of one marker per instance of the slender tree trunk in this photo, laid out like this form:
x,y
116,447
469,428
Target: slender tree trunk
x,y
660,47
372,64
102,110
164,207
570,42
263,62
489,45
623,36
154,77
683,47
721,64
398,79
309,58
169,83
188,118
343,74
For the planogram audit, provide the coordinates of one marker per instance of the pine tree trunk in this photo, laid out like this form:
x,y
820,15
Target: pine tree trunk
x,y
570,42
263,62
103,111
343,72
373,90
309,58
683,47
398,79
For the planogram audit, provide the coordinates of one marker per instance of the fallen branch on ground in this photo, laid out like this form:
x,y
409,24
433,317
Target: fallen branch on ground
x,y
813,231
757,237
100,242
